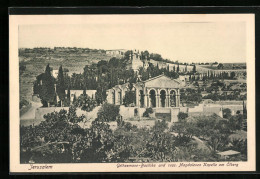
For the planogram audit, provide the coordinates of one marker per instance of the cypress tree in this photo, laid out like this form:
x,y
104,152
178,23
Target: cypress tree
x,y
178,68
48,91
68,95
74,99
60,88
84,92
194,69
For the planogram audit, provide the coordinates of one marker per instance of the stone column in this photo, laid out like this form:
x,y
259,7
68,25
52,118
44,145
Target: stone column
x,y
177,101
167,101
179,95
116,97
158,100
178,98
148,101
137,97
169,98
122,95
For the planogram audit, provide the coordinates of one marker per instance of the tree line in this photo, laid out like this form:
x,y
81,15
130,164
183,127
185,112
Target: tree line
x,y
101,77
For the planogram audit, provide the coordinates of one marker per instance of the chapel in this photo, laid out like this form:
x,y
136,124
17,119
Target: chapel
x,y
158,92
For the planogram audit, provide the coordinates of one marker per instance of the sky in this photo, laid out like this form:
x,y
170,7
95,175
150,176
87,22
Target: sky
x,y
183,41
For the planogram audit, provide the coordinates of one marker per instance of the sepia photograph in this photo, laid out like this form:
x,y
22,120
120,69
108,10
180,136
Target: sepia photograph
x,y
133,92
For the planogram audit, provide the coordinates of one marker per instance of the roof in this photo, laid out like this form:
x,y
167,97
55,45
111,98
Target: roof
x,y
162,81
162,75
229,152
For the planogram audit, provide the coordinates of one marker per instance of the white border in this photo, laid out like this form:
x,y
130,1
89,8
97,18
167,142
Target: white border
x,y
16,20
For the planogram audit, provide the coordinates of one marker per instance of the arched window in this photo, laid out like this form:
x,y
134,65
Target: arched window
x,y
152,96
163,98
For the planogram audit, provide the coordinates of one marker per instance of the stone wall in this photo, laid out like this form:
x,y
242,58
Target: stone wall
x,y
143,124
217,109
174,114
198,108
92,115
127,112
184,109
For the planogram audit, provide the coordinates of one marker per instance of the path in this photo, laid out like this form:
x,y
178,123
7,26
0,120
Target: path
x,y
28,118
30,114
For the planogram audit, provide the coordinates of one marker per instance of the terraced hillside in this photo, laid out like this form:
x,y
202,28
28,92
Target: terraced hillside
x,y
35,65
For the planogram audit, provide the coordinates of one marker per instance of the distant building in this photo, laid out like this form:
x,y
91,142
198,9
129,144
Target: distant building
x,y
55,73
184,78
116,53
135,60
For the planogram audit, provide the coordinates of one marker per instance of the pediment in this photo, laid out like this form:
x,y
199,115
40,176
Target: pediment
x,y
162,81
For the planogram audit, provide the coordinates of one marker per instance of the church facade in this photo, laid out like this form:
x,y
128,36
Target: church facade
x,y
157,92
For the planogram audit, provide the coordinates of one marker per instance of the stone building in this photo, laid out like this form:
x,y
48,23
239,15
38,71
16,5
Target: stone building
x,y
116,53
157,92
135,61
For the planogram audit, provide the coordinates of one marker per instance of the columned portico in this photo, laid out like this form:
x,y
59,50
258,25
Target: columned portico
x,y
160,98
157,92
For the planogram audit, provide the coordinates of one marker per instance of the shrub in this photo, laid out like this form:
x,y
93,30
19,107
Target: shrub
x,y
227,113
85,103
160,126
108,112
147,112
182,116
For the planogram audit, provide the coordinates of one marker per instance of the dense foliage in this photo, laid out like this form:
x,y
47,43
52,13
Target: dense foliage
x,y
108,112
60,139
182,116
22,67
85,103
130,97
190,95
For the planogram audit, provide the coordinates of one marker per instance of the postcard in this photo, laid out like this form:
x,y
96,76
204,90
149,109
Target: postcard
x,y
132,93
